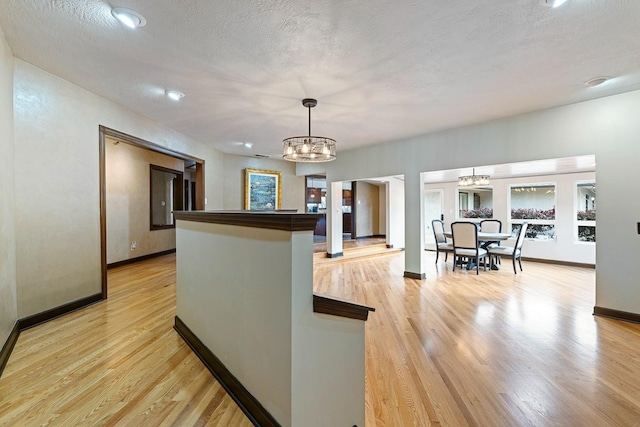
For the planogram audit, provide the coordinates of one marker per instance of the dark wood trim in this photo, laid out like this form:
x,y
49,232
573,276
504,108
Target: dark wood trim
x,y
42,317
7,348
199,187
134,140
252,408
61,310
103,214
567,263
274,220
616,314
339,307
178,200
140,258
371,236
418,276
335,255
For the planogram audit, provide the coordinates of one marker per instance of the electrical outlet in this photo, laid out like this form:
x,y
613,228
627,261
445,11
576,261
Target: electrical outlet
x,y
133,245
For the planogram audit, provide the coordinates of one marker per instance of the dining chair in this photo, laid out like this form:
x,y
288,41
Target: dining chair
x,y
441,240
491,226
465,244
514,252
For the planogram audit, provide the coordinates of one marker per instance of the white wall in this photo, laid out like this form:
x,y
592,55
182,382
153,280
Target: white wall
x,y
8,301
57,184
246,293
293,187
565,247
607,127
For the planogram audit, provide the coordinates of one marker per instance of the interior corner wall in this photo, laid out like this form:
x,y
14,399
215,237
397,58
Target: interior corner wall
x,y
366,209
128,201
293,187
8,299
57,194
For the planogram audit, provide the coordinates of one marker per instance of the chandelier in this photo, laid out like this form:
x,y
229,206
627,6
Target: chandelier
x,y
473,180
312,149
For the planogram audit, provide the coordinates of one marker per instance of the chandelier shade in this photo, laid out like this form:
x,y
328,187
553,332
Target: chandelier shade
x,y
473,180
310,149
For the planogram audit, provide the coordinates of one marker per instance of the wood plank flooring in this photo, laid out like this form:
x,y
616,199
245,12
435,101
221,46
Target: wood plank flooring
x,y
118,362
456,349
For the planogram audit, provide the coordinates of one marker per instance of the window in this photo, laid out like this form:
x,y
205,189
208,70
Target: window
x,y
535,204
586,211
475,202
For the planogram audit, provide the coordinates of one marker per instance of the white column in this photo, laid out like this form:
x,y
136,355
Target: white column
x,y
414,226
334,218
395,213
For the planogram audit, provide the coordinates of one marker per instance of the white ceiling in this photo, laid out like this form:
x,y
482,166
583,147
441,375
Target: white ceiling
x,y
381,70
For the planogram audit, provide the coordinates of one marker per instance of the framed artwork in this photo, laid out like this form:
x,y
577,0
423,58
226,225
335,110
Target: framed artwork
x,y
262,189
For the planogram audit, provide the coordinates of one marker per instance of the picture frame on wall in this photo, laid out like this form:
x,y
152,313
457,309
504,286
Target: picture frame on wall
x,y
262,189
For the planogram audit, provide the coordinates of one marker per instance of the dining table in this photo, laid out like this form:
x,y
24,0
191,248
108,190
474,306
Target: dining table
x,y
484,238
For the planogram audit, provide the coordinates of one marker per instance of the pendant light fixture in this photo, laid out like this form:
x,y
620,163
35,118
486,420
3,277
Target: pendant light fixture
x,y
311,149
473,180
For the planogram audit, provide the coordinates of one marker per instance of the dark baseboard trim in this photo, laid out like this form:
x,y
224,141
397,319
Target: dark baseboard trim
x,y
373,236
616,314
258,415
410,275
39,318
140,258
567,263
336,255
61,310
389,246
7,348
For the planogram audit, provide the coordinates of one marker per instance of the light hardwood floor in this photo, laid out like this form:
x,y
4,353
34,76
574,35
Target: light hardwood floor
x,y
118,362
456,349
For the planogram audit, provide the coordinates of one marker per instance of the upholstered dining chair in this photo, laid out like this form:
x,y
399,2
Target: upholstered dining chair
x,y
491,226
514,252
441,240
465,244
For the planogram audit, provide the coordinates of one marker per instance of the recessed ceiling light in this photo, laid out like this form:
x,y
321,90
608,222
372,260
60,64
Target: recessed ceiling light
x,y
248,144
174,95
596,81
128,17
553,3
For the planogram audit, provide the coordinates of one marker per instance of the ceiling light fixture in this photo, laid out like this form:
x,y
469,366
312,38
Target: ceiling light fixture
x,y
174,95
553,3
128,17
596,81
473,180
312,149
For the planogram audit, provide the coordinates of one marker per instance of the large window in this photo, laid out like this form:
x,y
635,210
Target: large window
x,y
535,204
475,202
586,211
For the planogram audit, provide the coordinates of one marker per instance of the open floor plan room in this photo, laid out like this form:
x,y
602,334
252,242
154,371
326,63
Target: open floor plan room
x,y
455,349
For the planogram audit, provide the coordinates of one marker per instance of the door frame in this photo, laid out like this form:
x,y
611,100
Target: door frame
x,y
104,132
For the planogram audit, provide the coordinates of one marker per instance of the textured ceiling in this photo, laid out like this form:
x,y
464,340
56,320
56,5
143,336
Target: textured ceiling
x,y
381,70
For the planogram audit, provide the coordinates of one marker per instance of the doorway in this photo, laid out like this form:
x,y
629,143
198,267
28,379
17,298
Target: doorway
x,y
433,203
112,138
